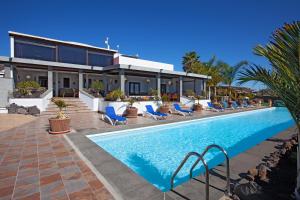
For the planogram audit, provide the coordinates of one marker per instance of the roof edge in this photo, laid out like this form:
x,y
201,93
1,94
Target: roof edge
x,y
13,33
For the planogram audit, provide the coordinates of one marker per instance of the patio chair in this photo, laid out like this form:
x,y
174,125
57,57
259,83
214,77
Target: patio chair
x,y
226,106
212,107
112,117
181,111
155,115
247,105
235,105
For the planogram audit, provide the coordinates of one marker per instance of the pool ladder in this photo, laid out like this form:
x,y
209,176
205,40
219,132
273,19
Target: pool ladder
x,y
200,157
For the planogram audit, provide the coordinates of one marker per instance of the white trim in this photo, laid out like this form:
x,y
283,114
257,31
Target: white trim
x,y
177,123
12,46
12,33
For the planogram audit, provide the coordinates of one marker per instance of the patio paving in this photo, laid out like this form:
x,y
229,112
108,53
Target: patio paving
x,y
36,165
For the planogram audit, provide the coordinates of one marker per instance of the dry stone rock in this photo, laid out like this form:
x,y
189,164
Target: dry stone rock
x,y
253,172
248,191
262,172
33,110
22,111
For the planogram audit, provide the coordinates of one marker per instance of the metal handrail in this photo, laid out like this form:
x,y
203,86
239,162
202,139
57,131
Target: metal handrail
x,y
200,158
227,191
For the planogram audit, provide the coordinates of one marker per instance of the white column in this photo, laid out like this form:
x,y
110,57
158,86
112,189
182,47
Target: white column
x,y
50,78
12,46
56,83
158,84
204,87
122,80
87,81
80,80
180,86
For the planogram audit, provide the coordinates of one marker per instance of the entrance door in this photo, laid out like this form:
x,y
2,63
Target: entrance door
x,y
66,82
163,88
134,88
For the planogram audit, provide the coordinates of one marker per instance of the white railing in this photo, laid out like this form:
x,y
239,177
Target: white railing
x,y
91,101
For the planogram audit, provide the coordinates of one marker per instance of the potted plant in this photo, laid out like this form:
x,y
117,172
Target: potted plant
x,y
97,87
131,112
115,95
61,123
164,108
198,106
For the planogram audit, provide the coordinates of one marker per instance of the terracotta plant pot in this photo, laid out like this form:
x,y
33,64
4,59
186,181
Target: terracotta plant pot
x,y
59,126
270,102
131,112
164,109
198,107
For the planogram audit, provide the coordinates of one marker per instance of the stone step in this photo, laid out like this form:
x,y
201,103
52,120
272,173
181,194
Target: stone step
x,y
75,106
82,105
50,113
68,108
69,99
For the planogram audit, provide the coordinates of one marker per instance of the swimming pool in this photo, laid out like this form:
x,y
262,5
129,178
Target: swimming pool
x,y
155,152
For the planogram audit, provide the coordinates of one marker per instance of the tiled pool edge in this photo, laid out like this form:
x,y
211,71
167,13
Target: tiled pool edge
x,y
108,186
104,164
121,181
174,123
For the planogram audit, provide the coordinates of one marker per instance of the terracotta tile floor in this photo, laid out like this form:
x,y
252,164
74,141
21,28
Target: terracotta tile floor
x,y
37,165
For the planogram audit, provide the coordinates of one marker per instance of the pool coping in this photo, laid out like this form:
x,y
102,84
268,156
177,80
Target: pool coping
x,y
119,179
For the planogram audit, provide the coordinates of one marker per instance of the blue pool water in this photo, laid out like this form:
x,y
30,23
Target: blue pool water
x,y
155,152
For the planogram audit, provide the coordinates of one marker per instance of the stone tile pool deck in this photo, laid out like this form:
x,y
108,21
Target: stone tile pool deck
x,y
36,165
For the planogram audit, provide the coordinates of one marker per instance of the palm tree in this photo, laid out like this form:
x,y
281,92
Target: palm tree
x,y
189,59
214,71
229,72
283,53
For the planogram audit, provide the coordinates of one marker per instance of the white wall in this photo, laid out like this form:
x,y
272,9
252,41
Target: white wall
x,y
190,102
89,100
41,103
142,63
120,106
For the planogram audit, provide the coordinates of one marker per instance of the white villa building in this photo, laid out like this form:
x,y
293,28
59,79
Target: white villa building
x,y
64,67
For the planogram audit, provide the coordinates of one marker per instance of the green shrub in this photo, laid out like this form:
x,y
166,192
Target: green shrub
x,y
97,85
114,95
190,93
165,98
28,85
153,92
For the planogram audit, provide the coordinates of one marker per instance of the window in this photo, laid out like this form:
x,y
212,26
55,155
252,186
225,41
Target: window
x,y
134,88
163,88
34,50
97,59
68,54
66,82
43,81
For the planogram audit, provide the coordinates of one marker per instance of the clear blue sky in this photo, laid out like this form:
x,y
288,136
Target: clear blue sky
x,y
156,30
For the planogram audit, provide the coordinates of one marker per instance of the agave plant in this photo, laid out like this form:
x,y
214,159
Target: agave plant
x,y
61,105
283,53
